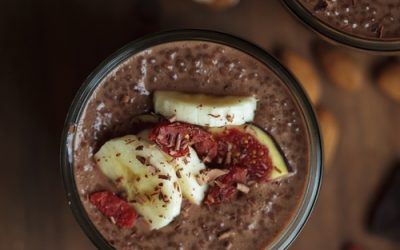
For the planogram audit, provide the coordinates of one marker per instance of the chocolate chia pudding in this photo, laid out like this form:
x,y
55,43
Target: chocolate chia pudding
x,y
375,20
250,221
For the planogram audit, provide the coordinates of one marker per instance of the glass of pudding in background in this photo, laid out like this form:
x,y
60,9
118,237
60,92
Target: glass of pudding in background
x,y
198,62
367,25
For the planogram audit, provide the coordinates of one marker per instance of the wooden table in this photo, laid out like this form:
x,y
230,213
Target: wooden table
x,y
47,50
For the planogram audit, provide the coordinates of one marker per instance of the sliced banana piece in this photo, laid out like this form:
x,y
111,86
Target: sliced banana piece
x,y
205,110
187,169
143,171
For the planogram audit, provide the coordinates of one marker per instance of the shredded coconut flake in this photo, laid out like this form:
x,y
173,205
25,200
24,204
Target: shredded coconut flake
x,y
87,168
140,87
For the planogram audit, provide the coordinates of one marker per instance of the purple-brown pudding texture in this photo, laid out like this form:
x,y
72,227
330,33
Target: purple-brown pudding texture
x,y
252,220
370,19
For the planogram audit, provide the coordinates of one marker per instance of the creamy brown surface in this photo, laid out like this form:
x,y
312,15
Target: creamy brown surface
x,y
373,19
255,218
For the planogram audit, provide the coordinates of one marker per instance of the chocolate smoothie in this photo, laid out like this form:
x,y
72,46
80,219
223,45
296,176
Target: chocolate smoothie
x,y
370,19
253,220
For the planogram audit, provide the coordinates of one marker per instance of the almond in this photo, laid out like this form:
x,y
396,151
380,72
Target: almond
x,y
304,71
341,68
389,80
330,133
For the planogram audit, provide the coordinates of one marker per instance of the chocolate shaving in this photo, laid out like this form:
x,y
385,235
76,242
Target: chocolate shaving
x,y
164,177
171,140
219,184
229,118
129,141
242,188
155,193
177,226
214,173
215,116
277,169
119,179
139,148
141,159
226,234
228,158
112,219
178,142
163,197
172,118
248,129
178,174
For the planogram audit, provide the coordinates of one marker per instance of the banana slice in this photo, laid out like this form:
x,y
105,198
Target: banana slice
x,y
143,171
205,110
187,169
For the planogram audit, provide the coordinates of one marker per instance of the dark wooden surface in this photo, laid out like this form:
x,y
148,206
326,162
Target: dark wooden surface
x,y
47,48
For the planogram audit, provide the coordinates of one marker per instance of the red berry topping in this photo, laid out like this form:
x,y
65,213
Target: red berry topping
x,y
237,148
115,208
174,139
224,187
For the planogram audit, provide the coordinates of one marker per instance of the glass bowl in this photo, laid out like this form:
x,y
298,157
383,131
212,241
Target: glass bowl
x,y
337,36
67,142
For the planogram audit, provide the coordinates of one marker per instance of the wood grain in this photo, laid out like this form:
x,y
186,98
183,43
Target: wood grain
x,y
48,48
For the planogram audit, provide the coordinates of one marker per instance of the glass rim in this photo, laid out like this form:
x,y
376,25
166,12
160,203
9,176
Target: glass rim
x,y
340,37
313,183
